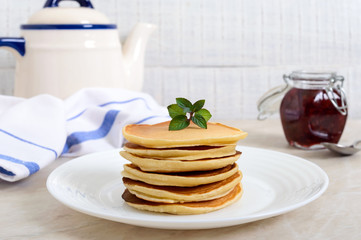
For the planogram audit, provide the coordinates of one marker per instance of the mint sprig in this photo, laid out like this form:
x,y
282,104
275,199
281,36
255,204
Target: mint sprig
x,y
184,112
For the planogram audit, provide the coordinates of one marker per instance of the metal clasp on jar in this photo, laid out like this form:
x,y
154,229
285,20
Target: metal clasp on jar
x,y
335,85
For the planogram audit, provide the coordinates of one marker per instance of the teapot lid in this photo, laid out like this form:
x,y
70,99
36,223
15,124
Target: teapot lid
x,y
54,17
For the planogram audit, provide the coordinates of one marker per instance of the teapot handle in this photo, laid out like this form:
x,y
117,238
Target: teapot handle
x,y
17,44
55,3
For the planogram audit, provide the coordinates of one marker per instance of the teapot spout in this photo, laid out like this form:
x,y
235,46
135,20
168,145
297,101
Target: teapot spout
x,y
133,52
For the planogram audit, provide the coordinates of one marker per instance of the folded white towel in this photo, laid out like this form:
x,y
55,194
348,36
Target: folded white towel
x,y
36,131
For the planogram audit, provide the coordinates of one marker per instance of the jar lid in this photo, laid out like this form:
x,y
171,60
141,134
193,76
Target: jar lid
x,y
317,76
54,17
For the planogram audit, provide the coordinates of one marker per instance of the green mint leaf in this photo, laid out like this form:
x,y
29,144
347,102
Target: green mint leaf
x,y
199,120
175,110
198,105
205,114
178,123
184,112
185,104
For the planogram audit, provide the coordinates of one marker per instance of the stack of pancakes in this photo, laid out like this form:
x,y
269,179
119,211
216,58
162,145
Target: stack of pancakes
x,y
190,171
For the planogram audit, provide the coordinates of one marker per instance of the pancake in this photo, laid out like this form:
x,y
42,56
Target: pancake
x,y
187,207
169,194
181,153
185,179
158,135
171,165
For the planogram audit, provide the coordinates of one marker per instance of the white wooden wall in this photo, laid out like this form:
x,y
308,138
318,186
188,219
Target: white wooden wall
x,y
229,52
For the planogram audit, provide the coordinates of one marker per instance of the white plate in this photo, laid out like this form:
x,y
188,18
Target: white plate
x,y
274,183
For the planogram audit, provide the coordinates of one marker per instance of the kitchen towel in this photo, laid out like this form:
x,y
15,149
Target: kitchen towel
x,y
36,131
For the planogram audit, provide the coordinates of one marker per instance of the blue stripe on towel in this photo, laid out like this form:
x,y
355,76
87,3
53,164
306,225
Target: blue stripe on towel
x,y
113,102
32,143
126,101
6,172
102,131
33,167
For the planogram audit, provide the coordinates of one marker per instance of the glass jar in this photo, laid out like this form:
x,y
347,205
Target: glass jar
x,y
313,108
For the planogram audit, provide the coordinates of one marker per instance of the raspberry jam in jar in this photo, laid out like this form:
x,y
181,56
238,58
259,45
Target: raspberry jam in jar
x,y
314,110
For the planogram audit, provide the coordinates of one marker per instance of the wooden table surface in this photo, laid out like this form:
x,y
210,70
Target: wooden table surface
x,y
28,211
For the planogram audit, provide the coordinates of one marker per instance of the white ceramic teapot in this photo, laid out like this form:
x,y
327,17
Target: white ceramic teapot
x,y
65,49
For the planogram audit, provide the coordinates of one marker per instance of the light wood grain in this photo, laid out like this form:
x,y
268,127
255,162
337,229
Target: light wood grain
x,y
209,45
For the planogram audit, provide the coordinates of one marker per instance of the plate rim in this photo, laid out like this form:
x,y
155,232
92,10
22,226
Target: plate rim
x,y
226,221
